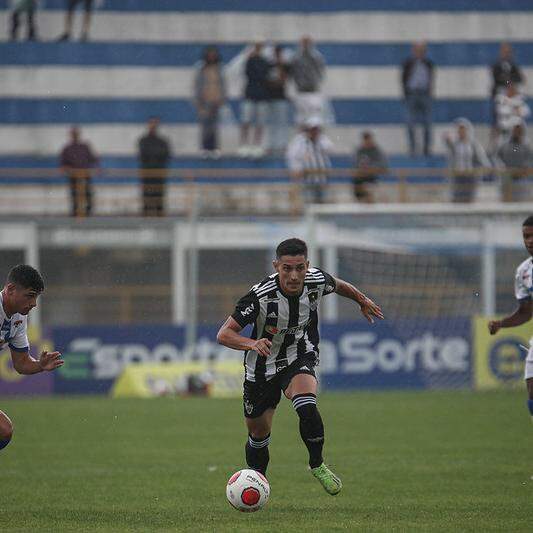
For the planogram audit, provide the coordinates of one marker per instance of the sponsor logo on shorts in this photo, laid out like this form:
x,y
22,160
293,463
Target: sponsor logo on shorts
x,y
248,406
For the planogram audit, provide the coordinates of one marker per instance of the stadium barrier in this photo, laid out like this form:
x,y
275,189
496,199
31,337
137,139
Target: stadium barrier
x,y
270,191
148,361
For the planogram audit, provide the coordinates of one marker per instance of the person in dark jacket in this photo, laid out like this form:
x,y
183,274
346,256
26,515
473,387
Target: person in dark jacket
x,y
255,105
154,156
417,83
369,162
504,73
77,160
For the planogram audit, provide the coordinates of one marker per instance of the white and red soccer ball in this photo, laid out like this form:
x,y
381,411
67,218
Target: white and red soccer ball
x,y
247,490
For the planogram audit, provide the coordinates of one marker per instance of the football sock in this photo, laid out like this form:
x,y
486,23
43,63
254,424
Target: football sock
x,y
530,406
311,426
257,455
4,443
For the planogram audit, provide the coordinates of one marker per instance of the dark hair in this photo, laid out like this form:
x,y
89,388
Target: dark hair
x,y
528,221
291,247
208,50
27,277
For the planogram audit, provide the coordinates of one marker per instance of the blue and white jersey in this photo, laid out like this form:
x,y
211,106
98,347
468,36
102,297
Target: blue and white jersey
x,y
13,330
523,283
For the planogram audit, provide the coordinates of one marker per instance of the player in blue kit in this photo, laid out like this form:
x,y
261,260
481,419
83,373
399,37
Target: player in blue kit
x,y
524,311
19,296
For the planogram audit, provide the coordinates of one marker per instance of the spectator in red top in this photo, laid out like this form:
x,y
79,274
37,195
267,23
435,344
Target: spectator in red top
x,y
77,160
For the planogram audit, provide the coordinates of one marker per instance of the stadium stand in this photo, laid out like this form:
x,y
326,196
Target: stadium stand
x,y
139,62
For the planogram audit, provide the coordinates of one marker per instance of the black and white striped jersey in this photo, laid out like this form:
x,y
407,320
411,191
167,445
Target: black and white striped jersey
x,y
289,322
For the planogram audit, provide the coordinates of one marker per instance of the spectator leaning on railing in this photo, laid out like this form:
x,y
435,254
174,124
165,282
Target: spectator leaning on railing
x,y
514,157
76,160
465,155
154,156
369,163
308,160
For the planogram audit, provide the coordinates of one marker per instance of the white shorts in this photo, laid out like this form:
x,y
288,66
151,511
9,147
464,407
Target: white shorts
x,y
254,112
528,367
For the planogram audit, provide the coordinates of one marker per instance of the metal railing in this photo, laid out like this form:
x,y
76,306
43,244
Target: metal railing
x,y
264,191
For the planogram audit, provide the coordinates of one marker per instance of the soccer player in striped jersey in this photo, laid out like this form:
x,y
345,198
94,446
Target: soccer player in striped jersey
x,y
19,296
282,353
524,311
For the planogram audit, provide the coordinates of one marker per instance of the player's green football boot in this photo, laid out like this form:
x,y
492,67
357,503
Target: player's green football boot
x,y
331,483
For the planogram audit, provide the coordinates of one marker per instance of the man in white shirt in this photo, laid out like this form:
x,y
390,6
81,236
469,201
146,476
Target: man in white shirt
x,y
308,160
19,296
524,295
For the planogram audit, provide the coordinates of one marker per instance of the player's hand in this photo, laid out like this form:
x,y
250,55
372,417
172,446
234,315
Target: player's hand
x,y
262,347
50,360
494,326
370,310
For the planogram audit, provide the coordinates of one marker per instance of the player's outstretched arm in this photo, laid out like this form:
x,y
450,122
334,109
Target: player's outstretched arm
x,y
522,315
369,308
229,335
24,363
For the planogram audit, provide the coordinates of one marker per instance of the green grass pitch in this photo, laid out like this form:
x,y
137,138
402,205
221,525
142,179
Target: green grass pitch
x,y
428,461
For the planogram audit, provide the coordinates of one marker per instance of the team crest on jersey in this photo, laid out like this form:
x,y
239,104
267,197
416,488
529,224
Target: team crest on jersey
x,y
313,299
17,323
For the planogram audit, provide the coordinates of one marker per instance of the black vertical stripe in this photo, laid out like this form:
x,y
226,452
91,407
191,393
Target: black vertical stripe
x,y
312,326
294,315
270,322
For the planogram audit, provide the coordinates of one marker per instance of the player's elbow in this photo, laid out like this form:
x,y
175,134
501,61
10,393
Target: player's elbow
x,y
222,336
19,367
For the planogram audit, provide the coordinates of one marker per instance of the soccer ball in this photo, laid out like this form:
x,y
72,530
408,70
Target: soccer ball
x,y
247,490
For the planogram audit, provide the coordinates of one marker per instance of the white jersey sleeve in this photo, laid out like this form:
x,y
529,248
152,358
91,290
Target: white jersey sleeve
x,y
19,340
523,282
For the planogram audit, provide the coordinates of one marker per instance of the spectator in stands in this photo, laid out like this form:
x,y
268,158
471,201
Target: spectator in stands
x,y
77,159
278,112
505,71
308,160
369,163
515,156
417,83
209,96
465,154
20,7
154,156
255,105
510,106
71,6
307,71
